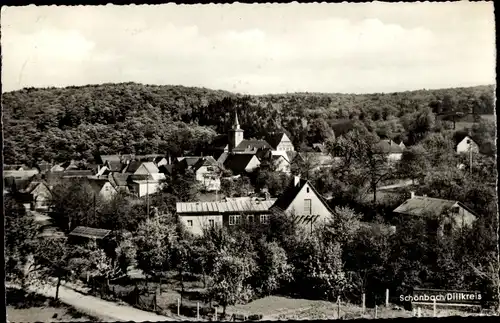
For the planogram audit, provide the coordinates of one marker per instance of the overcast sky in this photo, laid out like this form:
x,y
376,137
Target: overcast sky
x,y
370,47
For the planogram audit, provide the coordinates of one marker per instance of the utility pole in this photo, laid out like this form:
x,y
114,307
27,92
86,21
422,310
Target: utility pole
x,y
470,155
147,195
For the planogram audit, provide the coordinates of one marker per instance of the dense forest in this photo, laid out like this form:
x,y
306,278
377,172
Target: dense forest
x,y
57,124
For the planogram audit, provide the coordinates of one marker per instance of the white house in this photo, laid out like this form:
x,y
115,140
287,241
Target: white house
x,y
466,144
208,173
145,178
103,188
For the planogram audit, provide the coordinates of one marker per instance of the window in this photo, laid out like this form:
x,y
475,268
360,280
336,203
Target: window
x,y
455,210
307,190
250,218
211,222
264,218
190,223
234,219
307,206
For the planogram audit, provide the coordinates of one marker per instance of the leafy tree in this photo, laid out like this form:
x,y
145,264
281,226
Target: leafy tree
x,y
414,163
155,240
229,283
20,241
236,187
343,225
273,268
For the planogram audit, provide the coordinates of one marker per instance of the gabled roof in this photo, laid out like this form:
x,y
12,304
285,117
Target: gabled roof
x,y
87,232
151,167
115,166
252,145
97,184
290,193
33,185
133,166
222,158
114,158
291,155
189,160
461,135
238,162
428,206
274,139
118,179
206,161
319,147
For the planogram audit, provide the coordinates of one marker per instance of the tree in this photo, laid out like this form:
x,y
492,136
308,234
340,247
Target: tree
x,y
56,258
229,283
343,226
273,268
155,239
414,163
20,241
236,187
181,254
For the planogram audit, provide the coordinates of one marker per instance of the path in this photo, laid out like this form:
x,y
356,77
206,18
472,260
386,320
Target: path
x,y
105,310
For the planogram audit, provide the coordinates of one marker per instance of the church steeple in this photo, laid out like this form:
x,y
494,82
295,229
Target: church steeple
x,y
235,134
236,124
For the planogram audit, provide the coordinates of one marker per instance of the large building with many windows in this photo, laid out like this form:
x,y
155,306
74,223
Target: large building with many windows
x,y
300,200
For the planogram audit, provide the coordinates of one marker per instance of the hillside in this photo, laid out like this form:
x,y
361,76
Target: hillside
x,y
80,122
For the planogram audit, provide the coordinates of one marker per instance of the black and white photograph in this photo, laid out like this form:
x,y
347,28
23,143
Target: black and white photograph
x,y
250,162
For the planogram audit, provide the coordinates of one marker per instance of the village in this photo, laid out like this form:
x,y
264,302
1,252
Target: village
x,y
231,159
249,162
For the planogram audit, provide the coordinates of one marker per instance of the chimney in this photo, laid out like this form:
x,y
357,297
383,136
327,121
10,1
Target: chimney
x,y
296,180
412,194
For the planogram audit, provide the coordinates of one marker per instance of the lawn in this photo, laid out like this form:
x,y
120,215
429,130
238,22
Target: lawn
x,y
22,307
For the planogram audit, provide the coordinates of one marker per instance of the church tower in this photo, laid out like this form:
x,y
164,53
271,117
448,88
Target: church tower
x,y
235,134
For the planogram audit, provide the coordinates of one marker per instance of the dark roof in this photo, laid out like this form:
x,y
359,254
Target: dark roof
x,y
290,193
252,145
423,206
274,139
97,184
115,166
105,158
132,166
166,169
238,162
118,179
87,232
222,158
206,161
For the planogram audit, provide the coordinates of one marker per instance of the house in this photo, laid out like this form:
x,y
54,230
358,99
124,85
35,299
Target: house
x,y
208,172
319,147
41,195
114,165
103,188
302,201
21,173
277,162
280,142
145,178
394,151
119,182
187,162
19,167
109,158
465,144
240,163
449,214
83,235
229,212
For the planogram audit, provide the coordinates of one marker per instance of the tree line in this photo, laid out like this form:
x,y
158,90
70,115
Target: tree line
x,y
59,124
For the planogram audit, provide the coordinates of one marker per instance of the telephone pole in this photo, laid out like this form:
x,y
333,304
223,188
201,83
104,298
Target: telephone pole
x,y
147,195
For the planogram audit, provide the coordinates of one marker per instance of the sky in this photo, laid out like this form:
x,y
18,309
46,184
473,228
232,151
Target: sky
x,y
252,48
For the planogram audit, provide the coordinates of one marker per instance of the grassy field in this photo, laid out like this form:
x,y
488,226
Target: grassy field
x,y
22,307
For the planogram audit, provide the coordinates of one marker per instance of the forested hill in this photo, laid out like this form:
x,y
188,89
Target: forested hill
x,y
79,122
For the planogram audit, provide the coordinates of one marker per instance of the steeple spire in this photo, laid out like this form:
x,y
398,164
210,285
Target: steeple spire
x,y
236,124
